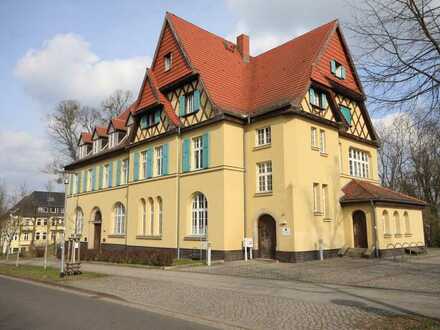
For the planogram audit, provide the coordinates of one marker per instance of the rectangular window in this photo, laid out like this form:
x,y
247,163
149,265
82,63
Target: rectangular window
x,y
168,61
43,236
89,180
198,153
264,136
144,164
322,142
318,98
26,236
316,198
358,161
96,146
159,160
264,177
314,137
189,103
113,139
75,184
325,201
337,69
105,176
124,171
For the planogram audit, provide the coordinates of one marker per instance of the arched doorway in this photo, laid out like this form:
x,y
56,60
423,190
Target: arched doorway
x,y
97,221
360,230
267,237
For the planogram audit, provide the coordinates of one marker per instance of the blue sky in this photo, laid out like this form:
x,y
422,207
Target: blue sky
x,y
54,50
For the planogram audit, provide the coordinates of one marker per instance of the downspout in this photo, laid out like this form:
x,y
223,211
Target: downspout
x,y
126,208
178,194
376,248
244,177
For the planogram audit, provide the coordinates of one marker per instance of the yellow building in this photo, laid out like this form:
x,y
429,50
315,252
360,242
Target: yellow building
x,y
221,145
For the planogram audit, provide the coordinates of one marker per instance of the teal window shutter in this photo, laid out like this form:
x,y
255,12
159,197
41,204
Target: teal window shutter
x,y
71,185
110,174
84,186
143,122
312,96
165,159
185,155
136,166
149,162
101,176
182,105
346,113
333,66
94,178
324,102
196,101
342,72
78,181
157,116
118,172
205,142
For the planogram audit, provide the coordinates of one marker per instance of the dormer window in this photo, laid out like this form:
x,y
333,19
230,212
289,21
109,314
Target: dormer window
x,y
97,145
337,69
113,139
83,151
318,98
150,119
168,61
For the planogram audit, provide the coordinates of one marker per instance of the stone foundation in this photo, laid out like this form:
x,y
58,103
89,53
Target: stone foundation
x,y
301,256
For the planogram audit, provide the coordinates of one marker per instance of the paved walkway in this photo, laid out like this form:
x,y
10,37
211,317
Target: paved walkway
x,y
310,301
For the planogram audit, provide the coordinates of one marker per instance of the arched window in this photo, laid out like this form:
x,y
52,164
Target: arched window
x,y
397,222
407,223
386,223
160,214
119,219
79,221
151,207
199,214
143,217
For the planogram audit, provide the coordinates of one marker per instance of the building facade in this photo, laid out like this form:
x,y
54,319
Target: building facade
x,y
38,219
221,145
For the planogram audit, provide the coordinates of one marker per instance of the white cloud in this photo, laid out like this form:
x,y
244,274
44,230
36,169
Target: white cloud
x,y
270,23
24,157
66,68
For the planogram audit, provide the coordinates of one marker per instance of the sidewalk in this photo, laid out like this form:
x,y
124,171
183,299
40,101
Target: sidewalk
x,y
256,303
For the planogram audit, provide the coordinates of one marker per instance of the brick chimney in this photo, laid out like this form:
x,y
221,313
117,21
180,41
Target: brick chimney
x,y
243,47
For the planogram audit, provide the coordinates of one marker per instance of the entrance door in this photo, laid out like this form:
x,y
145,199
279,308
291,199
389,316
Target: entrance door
x,y
360,230
97,234
266,237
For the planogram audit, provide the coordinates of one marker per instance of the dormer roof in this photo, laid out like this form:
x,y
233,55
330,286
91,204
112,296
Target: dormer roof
x,y
99,132
85,138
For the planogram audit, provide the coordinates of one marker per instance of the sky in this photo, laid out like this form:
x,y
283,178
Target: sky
x,y
84,50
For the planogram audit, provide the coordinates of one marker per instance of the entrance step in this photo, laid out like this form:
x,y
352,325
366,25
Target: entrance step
x,y
356,252
266,260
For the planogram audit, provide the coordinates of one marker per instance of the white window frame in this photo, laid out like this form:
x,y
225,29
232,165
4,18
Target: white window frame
x,y
197,147
314,137
325,201
168,61
407,221
75,188
151,213
316,198
26,236
113,139
105,176
263,136
79,221
359,163
144,164
119,219
199,223
386,223
89,179
317,101
160,214
189,103
97,146
264,177
322,142
397,225
124,171
159,160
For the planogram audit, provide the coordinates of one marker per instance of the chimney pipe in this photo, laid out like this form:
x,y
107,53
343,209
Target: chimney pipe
x,y
243,46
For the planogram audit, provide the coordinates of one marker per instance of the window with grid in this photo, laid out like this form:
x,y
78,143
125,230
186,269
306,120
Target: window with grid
x,y
159,160
198,153
160,214
189,103
318,98
325,201
264,177
106,176
89,180
314,137
124,170
322,142
144,164
79,221
199,215
119,219
316,198
358,163
151,208
168,61
264,136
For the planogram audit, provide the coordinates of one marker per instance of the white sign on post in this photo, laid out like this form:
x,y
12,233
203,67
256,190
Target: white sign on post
x,y
248,243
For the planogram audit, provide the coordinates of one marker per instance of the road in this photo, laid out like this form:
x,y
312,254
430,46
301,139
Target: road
x,y
31,306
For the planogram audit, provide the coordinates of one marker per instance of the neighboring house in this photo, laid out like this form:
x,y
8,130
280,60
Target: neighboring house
x,y
221,145
38,217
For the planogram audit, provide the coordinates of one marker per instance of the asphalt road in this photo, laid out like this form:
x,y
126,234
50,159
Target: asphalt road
x,y
28,306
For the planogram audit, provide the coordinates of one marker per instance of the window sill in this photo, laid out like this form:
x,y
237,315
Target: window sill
x,y
408,235
387,235
323,154
317,213
116,236
150,237
263,194
327,220
150,126
189,114
262,146
194,238
398,235
315,148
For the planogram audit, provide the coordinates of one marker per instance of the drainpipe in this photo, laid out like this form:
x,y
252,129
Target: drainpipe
x,y
376,248
244,178
126,207
178,194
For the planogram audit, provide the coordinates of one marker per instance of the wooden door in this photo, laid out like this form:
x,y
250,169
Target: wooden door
x,y
360,230
97,238
266,237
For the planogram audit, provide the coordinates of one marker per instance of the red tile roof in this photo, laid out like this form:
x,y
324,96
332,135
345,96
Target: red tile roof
x,y
362,191
100,131
278,76
118,124
86,138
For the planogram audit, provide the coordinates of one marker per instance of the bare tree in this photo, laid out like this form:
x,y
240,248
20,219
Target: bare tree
x,y
116,103
90,117
399,52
